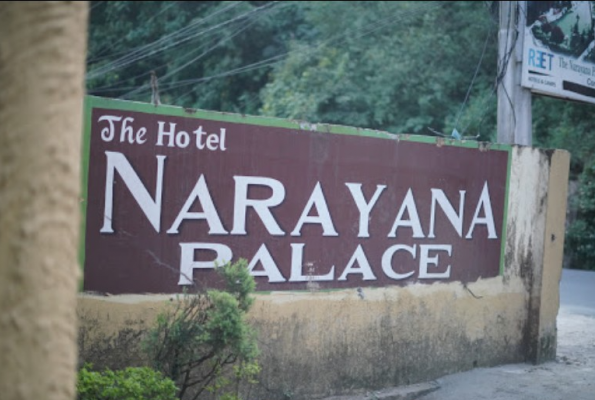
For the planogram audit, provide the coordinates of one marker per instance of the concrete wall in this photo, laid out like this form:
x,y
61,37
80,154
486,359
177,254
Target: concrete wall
x,y
319,343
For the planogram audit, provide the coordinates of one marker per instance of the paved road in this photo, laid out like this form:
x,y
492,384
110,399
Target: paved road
x,y
571,376
577,292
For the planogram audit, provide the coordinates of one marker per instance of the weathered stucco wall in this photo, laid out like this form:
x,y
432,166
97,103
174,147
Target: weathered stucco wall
x,y
535,241
321,343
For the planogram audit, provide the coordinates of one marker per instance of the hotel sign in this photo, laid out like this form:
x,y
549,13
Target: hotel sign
x,y
172,193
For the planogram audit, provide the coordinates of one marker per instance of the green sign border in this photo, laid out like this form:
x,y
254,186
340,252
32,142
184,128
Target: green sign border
x,y
92,102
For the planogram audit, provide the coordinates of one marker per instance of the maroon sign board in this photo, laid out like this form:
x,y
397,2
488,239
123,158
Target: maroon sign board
x,y
172,193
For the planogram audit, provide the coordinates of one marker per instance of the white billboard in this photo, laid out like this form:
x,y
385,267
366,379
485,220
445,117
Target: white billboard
x,y
559,49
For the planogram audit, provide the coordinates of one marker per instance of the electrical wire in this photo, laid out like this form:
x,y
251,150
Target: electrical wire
x,y
186,30
97,3
211,30
268,62
485,45
193,60
133,58
506,62
158,46
502,69
379,24
100,56
395,19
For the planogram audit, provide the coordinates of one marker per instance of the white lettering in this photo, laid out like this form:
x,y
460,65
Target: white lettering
x,y
182,139
455,219
170,134
188,264
297,260
212,141
323,218
364,207
364,266
262,207
269,266
413,221
151,208
140,135
387,258
199,134
200,192
425,260
126,131
222,140
488,219
108,133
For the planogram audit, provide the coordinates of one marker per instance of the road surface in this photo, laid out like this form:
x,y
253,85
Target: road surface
x,y
571,376
577,292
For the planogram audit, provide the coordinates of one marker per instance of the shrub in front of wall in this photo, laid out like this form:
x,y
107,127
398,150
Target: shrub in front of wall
x,y
127,384
204,342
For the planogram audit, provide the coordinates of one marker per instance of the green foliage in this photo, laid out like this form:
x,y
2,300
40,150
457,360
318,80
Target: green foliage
x,y
565,125
105,348
239,282
192,46
227,387
197,342
403,67
127,384
580,237
396,66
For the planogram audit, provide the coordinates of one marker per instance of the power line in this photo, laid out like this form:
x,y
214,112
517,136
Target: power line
x,y
402,16
122,38
485,45
97,3
395,19
193,60
150,50
180,36
261,64
379,24
171,36
501,71
255,14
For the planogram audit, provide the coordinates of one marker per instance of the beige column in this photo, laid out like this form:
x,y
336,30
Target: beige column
x,y
42,63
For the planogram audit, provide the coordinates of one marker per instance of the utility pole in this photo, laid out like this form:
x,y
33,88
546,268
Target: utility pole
x,y
514,101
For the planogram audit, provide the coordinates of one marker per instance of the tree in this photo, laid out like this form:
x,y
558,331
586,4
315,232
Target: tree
x,y
42,53
397,66
195,343
581,234
402,67
197,49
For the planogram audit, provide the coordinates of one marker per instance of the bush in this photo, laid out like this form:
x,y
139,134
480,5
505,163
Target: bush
x,y
196,343
580,238
103,348
127,384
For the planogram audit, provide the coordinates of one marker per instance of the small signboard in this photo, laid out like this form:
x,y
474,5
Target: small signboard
x,y
172,193
559,49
